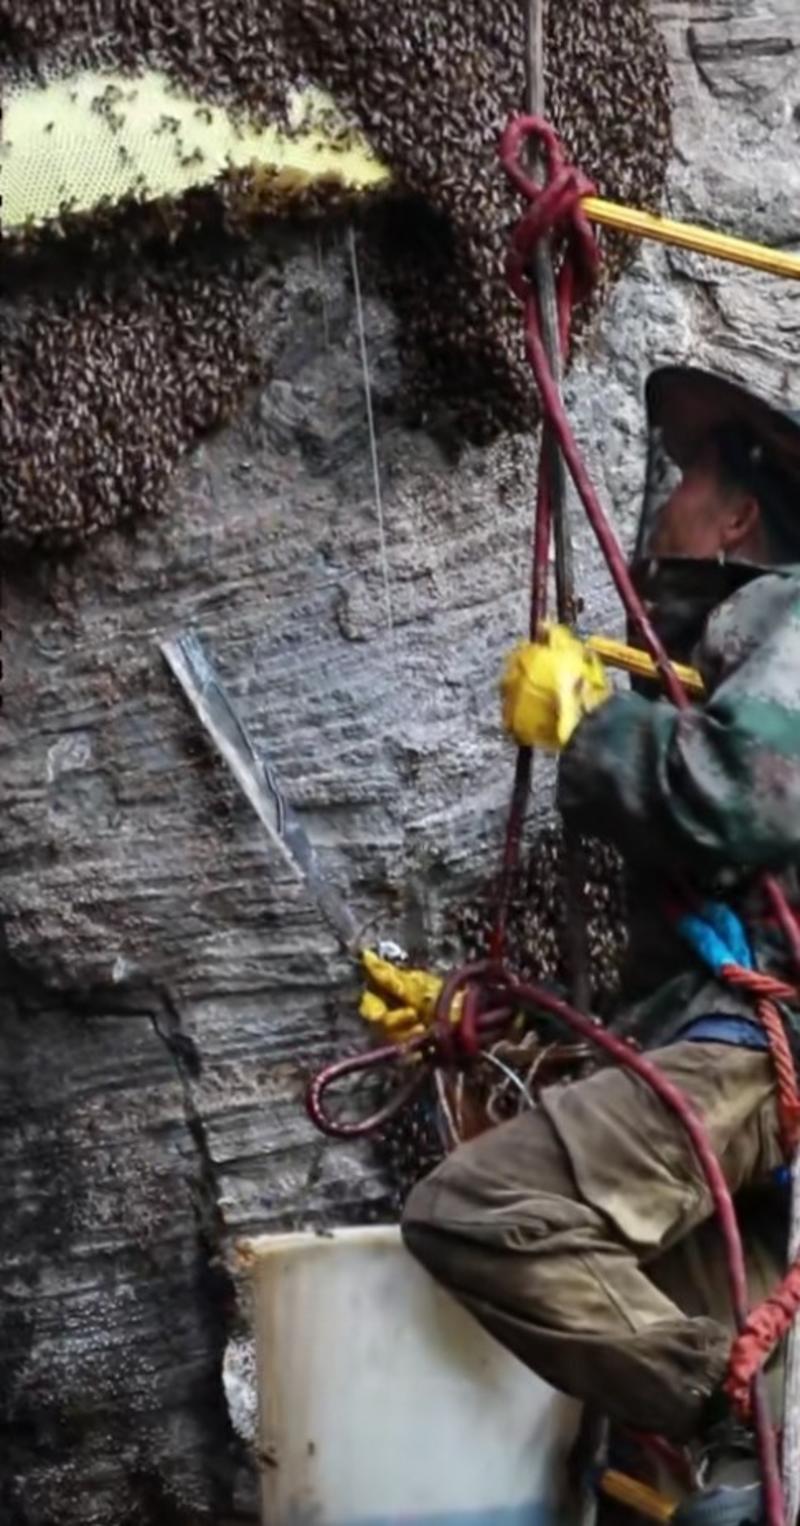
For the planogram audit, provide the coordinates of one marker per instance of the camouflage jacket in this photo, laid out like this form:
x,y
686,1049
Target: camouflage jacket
x,y
707,797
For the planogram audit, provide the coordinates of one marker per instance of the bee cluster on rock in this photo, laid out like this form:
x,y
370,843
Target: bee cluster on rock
x,y
103,387
538,945
431,85
408,1147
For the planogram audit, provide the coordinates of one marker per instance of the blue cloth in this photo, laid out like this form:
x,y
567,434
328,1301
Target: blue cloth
x,y
717,936
723,1028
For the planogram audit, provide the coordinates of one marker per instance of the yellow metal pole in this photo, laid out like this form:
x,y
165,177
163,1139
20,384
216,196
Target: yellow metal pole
x,y
721,246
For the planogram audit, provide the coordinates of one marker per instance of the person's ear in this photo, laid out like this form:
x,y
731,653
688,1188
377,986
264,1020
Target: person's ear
x,y
741,524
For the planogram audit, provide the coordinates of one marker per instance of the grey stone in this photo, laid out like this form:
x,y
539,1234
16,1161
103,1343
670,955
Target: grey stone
x,y
748,56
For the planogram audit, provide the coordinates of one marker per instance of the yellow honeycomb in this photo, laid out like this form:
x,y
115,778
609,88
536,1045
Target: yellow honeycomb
x,y
103,137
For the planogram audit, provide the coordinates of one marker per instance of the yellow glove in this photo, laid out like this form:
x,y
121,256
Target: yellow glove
x,y
548,686
404,1001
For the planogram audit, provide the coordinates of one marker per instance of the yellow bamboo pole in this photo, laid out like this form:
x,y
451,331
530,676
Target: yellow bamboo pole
x,y
632,659
665,230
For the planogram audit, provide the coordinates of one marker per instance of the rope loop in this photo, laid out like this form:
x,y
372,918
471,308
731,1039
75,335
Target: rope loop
x,y
554,211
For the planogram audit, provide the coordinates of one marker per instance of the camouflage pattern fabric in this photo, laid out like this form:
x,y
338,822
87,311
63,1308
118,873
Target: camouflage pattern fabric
x,y
705,798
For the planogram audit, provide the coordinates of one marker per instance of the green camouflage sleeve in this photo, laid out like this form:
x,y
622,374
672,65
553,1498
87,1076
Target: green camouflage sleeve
x,y
716,786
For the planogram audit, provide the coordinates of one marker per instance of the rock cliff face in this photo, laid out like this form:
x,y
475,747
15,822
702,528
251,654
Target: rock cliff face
x,y
167,987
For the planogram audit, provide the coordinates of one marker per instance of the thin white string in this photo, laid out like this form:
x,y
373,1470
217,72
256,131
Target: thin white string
x,y
373,440
510,1075
447,1113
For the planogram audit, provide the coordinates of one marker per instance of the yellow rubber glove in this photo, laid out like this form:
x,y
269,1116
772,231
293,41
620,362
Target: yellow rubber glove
x,y
548,686
403,1001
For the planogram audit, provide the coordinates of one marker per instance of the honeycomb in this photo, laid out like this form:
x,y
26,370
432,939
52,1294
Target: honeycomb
x,y
71,144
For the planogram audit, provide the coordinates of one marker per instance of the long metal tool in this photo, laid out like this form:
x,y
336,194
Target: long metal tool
x,y
257,780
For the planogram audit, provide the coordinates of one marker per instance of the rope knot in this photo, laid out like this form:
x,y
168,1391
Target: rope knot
x,y
554,210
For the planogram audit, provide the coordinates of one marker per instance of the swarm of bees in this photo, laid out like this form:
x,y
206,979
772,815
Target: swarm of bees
x,y
539,908
103,387
431,85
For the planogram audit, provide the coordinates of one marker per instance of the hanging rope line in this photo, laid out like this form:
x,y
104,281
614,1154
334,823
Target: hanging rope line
x,y
373,438
551,522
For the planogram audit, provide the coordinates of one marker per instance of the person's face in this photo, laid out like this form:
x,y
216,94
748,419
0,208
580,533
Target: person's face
x,y
703,518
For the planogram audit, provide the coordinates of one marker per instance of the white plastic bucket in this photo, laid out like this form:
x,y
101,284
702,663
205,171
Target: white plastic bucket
x,y
381,1402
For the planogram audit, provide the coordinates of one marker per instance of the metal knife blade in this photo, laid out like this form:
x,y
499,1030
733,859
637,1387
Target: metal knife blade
x,y
257,780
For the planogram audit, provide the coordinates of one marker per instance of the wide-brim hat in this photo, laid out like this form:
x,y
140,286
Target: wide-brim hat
x,y
686,404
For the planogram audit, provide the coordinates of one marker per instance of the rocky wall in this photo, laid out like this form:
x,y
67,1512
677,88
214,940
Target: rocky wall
x,y
166,985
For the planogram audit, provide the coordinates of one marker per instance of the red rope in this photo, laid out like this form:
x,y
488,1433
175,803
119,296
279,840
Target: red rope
x,y
760,1334
767,991
574,241
771,1320
562,197
554,212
